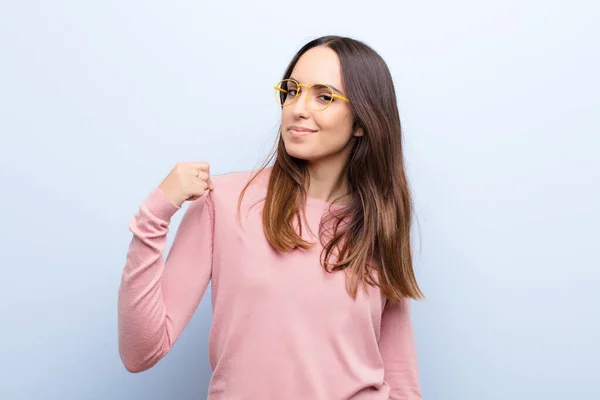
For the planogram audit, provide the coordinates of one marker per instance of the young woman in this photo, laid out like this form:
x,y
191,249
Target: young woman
x,y
309,257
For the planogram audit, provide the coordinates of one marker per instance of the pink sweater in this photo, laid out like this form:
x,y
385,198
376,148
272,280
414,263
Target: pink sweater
x,y
282,327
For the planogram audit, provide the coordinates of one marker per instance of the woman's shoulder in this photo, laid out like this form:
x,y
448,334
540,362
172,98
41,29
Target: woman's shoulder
x,y
229,186
236,181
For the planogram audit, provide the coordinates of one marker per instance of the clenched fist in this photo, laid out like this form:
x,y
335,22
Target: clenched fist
x,y
187,181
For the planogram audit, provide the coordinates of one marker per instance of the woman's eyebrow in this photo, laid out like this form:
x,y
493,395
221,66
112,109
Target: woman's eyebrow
x,y
333,87
336,89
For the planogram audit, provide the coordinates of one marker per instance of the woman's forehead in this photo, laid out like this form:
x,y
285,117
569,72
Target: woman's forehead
x,y
318,65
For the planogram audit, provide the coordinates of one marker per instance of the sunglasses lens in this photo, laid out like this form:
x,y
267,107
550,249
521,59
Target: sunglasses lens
x,y
286,92
320,97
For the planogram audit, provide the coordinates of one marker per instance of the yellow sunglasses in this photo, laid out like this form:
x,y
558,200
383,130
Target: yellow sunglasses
x,y
318,97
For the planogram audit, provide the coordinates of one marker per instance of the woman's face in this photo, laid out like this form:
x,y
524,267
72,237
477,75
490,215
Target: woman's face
x,y
317,136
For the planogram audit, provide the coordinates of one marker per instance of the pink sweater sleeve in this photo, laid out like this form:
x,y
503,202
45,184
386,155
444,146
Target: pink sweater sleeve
x,y
158,295
397,347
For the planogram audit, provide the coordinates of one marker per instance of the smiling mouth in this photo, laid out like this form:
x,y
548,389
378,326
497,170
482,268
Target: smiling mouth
x,y
298,133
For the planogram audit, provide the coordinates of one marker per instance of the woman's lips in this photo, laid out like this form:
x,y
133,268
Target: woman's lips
x,y
298,132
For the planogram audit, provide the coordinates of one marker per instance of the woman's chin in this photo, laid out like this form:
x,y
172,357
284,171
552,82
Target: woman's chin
x,y
298,151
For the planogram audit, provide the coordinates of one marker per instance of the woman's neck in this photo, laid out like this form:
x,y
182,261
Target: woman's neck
x,y
328,180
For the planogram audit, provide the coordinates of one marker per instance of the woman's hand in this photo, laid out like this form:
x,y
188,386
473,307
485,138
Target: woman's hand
x,y
187,181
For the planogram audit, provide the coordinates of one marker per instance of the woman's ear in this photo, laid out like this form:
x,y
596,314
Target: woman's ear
x,y
358,130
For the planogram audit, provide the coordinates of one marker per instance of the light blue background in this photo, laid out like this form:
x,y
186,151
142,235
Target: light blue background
x,y
499,102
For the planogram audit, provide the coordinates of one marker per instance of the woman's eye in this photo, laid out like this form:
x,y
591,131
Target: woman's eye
x,y
325,97
291,92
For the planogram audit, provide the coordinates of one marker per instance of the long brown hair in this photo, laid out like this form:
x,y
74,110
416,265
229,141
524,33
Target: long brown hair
x,y
372,231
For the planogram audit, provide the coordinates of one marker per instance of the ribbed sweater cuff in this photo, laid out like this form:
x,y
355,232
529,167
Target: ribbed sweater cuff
x,y
160,206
